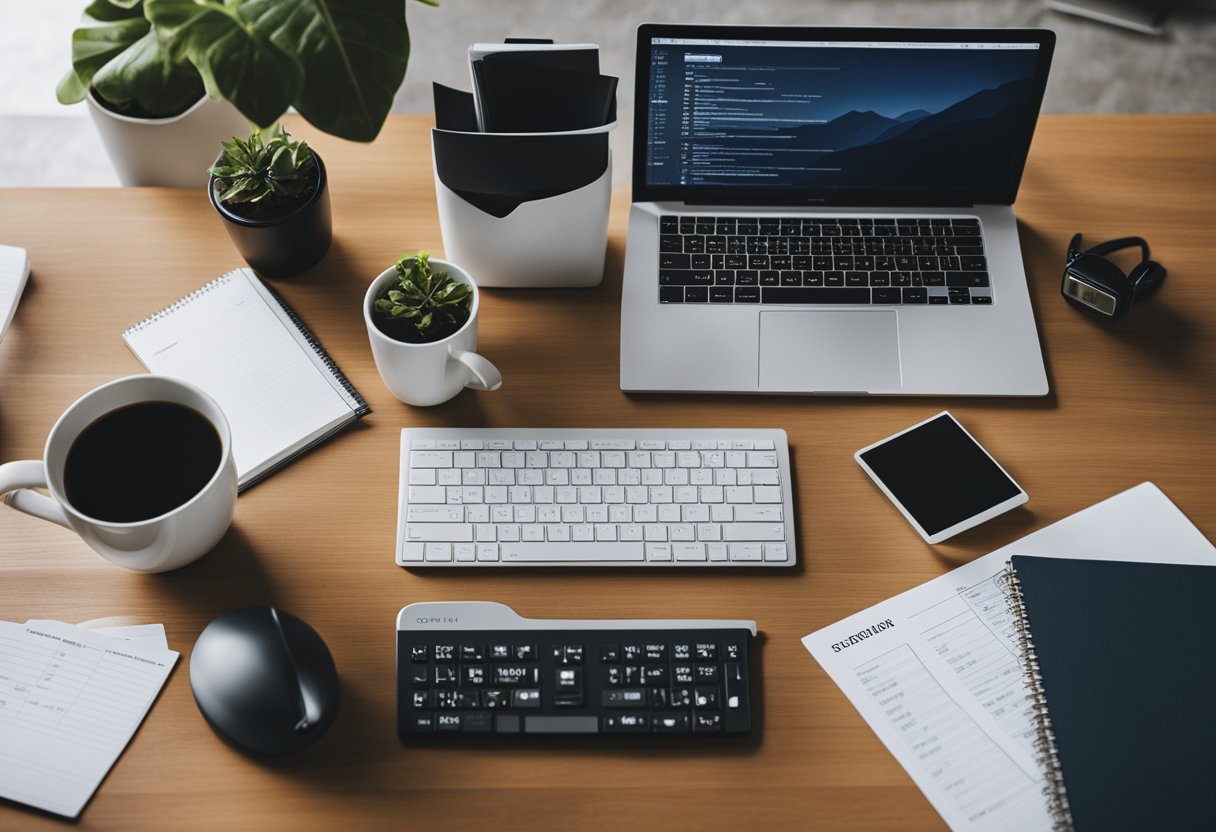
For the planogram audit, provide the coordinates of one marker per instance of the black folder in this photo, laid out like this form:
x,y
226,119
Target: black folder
x,y
1122,662
524,93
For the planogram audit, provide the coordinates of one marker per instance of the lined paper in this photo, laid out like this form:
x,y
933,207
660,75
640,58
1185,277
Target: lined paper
x,y
70,701
232,339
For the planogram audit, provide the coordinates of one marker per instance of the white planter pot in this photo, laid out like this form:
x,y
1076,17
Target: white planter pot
x,y
167,152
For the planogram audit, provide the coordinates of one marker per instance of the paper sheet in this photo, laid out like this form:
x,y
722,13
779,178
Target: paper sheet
x,y
70,701
935,673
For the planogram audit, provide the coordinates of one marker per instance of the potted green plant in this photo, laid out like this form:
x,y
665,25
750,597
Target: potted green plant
x,y
271,192
146,65
421,318
155,119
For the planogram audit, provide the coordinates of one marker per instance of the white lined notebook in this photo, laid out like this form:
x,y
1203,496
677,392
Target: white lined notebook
x,y
241,343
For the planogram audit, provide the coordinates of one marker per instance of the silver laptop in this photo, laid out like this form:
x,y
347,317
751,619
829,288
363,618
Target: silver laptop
x,y
821,210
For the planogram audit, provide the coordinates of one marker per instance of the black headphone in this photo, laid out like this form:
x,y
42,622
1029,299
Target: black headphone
x,y
1094,284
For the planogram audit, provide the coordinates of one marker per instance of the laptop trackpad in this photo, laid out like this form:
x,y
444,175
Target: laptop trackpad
x,y
829,351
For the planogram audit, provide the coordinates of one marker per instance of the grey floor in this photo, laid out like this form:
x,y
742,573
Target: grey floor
x,y
1097,68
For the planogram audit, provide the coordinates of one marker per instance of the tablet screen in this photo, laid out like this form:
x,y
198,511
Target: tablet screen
x,y
940,474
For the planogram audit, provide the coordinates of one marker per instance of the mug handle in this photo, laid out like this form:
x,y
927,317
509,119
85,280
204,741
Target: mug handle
x,y
16,480
485,375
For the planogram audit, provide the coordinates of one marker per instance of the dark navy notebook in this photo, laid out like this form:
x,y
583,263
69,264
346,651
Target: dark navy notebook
x,y
1123,670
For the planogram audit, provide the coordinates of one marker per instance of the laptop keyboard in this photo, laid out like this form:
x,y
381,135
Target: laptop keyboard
x,y
821,260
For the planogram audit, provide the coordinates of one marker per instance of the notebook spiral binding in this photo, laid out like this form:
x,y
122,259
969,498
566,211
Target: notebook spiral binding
x,y
363,407
188,299
1046,754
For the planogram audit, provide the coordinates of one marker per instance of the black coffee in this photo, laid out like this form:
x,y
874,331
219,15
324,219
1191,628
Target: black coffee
x,y
140,461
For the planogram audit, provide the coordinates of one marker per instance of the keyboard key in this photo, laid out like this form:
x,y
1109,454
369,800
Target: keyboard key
x,y
427,494
745,551
696,294
888,295
815,296
627,724
560,725
541,552
671,723
973,279
624,698
525,699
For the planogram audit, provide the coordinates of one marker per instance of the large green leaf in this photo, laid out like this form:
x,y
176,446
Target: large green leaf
x,y
235,60
92,48
107,10
144,78
353,54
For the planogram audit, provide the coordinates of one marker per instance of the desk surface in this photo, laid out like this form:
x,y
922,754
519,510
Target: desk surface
x,y
1130,402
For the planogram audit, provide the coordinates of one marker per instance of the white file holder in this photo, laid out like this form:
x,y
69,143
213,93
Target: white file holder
x,y
557,242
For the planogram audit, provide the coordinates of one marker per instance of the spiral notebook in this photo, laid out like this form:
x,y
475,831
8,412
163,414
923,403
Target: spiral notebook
x,y
1120,660
239,341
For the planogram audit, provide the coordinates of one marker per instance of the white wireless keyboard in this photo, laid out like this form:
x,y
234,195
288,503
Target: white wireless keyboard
x,y
599,497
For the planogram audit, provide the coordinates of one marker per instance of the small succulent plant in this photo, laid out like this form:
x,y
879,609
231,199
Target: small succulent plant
x,y
423,305
264,175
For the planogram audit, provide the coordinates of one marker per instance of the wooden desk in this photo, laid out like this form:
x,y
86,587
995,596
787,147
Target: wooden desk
x,y
1130,402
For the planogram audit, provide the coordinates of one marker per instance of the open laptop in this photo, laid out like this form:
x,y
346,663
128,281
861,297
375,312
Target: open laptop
x,y
829,210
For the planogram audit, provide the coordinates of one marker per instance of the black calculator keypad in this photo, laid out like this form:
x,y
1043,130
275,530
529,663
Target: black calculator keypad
x,y
573,682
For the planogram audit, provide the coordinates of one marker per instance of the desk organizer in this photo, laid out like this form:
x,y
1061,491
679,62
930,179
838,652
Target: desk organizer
x,y
553,242
523,172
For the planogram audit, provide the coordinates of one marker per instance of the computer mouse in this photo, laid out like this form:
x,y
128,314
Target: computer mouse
x,y
264,680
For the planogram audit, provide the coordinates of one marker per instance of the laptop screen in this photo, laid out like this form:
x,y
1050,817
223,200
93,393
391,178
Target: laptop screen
x,y
891,118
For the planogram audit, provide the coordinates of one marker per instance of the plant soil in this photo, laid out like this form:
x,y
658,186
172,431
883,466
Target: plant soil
x,y
273,207
406,332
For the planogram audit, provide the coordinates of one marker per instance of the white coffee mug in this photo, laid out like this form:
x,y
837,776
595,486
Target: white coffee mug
x,y
426,374
160,543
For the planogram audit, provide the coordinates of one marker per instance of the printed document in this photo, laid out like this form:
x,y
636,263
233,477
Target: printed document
x,y
70,701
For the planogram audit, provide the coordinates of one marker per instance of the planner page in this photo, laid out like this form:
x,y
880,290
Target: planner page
x,y
935,671
229,340
70,701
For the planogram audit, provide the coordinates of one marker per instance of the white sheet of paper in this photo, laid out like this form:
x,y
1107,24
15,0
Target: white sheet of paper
x,y
935,673
70,701
152,635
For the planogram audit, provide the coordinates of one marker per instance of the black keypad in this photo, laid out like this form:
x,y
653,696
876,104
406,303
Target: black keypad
x,y
797,253
594,681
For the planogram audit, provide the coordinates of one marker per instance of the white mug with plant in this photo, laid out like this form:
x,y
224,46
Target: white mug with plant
x,y
421,318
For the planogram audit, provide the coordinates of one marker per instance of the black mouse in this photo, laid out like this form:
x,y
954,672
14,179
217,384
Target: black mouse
x,y
264,680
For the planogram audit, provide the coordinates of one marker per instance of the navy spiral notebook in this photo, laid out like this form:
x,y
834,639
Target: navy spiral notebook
x,y
1121,662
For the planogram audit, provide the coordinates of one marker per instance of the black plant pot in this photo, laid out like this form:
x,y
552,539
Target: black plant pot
x,y
286,245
